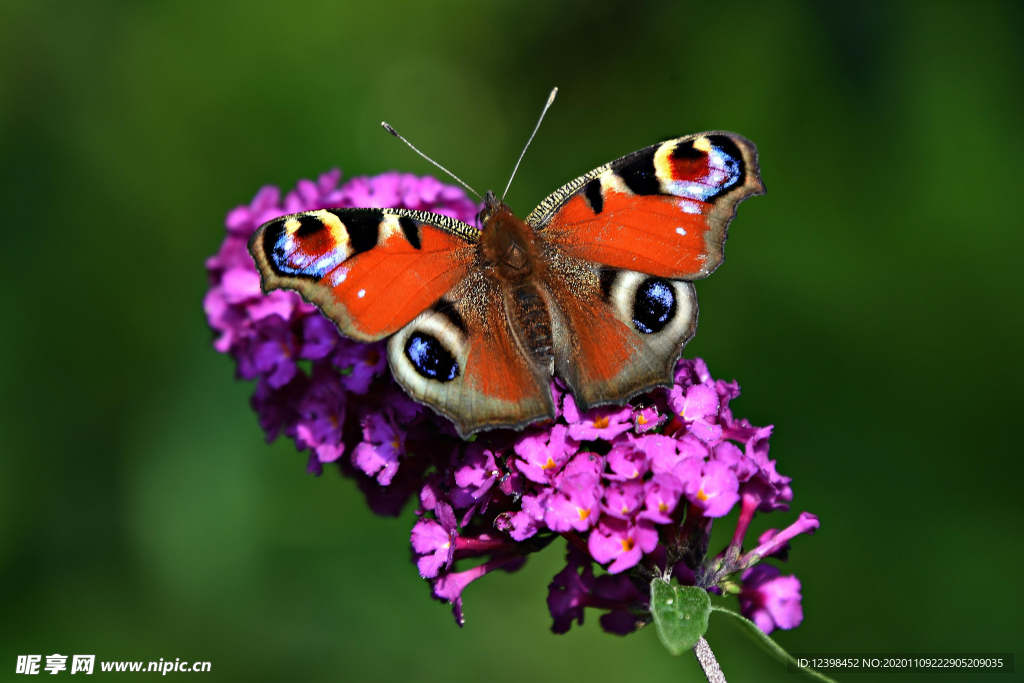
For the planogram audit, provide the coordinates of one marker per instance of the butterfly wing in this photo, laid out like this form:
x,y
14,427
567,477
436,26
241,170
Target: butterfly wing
x,y
618,332
463,358
371,271
413,275
662,211
625,240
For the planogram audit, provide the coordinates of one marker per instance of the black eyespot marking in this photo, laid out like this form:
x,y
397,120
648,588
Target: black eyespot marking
x,y
639,174
686,150
410,230
592,192
654,305
363,227
309,225
447,309
430,358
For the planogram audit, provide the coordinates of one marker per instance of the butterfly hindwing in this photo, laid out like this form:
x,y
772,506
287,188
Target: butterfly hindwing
x,y
371,271
618,332
663,210
462,357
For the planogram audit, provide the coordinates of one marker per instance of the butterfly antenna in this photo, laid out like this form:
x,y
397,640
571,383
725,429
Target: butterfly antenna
x,y
394,132
551,99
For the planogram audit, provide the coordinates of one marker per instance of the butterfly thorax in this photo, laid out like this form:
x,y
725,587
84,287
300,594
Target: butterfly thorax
x,y
508,246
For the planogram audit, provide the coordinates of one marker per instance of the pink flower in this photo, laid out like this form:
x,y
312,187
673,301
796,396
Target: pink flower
x,y
434,545
647,419
475,476
770,600
359,363
621,543
661,496
575,504
450,586
806,523
435,541
529,520
623,500
605,422
736,460
713,487
698,407
319,337
543,454
626,461
662,452
383,443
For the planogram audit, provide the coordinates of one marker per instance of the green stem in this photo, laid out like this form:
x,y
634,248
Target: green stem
x,y
769,644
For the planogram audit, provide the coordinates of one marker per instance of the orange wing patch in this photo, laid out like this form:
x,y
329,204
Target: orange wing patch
x,y
386,287
654,234
371,271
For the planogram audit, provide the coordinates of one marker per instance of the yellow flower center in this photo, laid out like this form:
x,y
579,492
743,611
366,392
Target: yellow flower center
x,y
701,496
583,513
662,507
627,544
601,422
549,465
640,419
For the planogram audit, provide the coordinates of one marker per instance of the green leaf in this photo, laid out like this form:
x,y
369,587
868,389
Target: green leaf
x,y
762,639
680,614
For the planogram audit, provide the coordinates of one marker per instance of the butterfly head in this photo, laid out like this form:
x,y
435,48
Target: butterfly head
x,y
492,207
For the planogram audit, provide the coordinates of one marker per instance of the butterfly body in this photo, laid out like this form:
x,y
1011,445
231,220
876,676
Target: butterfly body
x,y
594,286
510,253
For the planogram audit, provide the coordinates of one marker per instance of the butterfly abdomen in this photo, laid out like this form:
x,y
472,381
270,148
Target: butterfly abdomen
x,y
530,313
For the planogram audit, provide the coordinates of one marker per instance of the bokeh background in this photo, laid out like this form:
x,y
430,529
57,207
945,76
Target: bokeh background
x,y
870,305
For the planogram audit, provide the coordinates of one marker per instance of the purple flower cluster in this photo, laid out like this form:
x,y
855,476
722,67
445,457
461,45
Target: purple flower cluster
x,y
631,488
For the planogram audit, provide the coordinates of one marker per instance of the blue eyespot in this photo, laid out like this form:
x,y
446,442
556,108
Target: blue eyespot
x,y
654,306
430,358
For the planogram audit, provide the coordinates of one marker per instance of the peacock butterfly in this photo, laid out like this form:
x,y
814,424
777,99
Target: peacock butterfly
x,y
594,286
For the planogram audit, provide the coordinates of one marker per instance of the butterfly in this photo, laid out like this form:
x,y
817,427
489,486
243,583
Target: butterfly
x,y
594,286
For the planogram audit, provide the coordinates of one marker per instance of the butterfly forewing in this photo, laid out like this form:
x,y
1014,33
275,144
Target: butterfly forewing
x,y
663,210
371,271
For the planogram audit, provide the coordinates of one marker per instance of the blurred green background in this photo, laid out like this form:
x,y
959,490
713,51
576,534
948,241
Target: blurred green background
x,y
871,307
